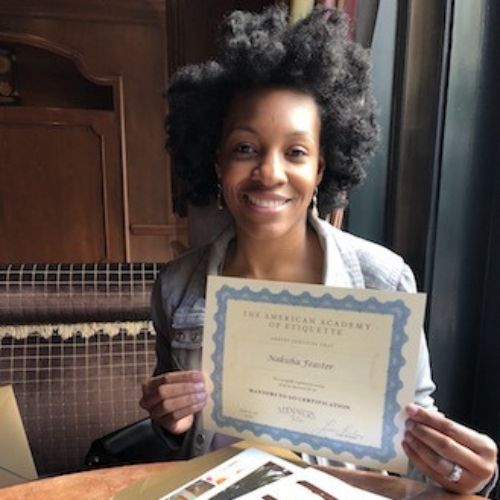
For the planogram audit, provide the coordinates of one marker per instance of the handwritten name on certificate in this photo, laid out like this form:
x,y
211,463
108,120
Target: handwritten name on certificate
x,y
321,370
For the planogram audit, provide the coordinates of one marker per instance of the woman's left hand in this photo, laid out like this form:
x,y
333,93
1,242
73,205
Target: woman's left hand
x,y
458,458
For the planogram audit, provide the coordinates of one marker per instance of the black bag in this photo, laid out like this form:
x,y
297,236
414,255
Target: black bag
x,y
135,443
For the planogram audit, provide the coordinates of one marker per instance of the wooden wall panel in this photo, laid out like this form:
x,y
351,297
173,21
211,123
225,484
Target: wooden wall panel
x,y
47,79
110,11
124,42
55,201
419,86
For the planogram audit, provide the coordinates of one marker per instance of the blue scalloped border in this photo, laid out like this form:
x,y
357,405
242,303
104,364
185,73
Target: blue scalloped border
x,y
397,309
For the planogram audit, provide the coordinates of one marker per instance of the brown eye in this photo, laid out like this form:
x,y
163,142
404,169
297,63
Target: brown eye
x,y
244,148
297,152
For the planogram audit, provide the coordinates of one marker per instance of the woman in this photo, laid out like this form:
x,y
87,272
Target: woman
x,y
282,114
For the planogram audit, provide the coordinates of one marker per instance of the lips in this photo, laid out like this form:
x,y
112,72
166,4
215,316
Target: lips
x,y
268,201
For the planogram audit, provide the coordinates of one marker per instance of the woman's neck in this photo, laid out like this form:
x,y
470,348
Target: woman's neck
x,y
295,258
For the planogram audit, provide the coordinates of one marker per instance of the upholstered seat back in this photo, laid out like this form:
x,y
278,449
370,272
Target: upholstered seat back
x,y
75,342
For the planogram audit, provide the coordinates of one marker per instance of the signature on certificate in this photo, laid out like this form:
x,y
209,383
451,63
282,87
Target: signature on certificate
x,y
341,431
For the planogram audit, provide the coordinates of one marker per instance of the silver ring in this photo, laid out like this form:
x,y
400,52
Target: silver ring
x,y
456,474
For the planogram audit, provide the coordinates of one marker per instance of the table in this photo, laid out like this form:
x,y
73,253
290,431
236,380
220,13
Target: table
x,y
101,484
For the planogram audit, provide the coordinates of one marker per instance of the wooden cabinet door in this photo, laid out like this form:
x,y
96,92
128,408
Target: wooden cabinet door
x,y
61,189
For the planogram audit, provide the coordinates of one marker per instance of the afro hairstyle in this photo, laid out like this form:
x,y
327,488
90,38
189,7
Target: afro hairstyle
x,y
315,56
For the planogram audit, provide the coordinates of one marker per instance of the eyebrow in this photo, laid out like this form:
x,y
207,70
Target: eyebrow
x,y
246,128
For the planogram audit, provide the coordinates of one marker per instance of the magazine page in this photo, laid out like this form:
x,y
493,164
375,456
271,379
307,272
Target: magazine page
x,y
245,472
310,484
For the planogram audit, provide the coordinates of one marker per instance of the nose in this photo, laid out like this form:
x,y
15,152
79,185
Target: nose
x,y
271,169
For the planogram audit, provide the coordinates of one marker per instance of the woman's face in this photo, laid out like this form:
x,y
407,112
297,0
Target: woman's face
x,y
269,161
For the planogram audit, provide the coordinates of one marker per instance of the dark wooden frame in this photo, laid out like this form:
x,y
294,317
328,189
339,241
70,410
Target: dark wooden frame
x,y
420,74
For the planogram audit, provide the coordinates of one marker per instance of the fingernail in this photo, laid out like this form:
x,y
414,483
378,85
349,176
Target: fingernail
x,y
199,386
410,425
408,438
201,396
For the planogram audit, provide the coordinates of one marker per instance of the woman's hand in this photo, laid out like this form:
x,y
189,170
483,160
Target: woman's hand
x,y
458,458
173,398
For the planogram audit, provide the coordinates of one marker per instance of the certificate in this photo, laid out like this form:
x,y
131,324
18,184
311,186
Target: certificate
x,y
321,370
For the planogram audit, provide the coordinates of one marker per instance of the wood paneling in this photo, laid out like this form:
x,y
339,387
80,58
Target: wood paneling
x,y
110,11
59,82
57,197
419,87
123,43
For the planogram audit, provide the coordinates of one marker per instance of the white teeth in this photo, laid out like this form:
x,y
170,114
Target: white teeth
x,y
259,202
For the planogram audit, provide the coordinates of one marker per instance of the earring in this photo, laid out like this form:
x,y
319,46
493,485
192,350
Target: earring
x,y
220,197
315,202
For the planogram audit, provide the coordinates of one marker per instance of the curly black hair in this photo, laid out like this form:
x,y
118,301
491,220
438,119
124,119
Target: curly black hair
x,y
315,56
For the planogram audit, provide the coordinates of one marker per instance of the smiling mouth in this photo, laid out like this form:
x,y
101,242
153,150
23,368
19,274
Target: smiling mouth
x,y
266,203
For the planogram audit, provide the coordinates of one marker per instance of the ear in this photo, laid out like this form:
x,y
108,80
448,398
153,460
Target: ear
x,y
321,170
